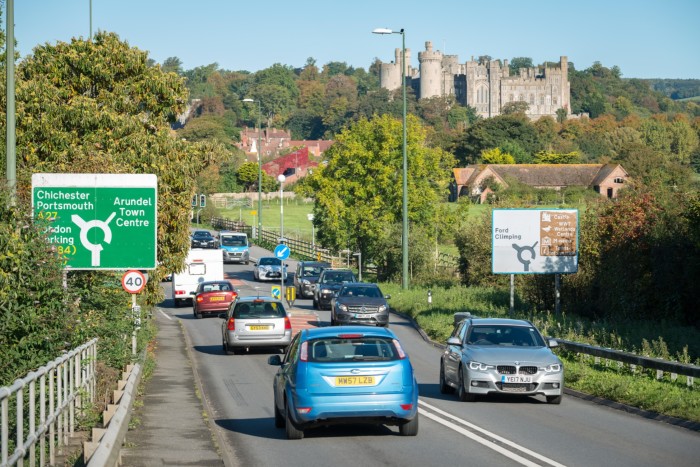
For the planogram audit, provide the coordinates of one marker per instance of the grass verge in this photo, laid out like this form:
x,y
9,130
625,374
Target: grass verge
x,y
669,341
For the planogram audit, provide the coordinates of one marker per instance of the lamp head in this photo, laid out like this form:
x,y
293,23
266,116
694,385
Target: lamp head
x,y
248,100
281,178
382,31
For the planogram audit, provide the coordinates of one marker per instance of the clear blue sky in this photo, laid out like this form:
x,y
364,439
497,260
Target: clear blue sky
x,y
645,38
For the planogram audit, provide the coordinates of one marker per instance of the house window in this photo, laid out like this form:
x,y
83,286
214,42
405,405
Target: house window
x,y
542,99
554,101
619,180
532,99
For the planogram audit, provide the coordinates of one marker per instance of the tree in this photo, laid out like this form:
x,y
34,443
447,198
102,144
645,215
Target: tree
x,y
495,156
358,194
515,107
519,62
544,157
493,132
172,65
96,107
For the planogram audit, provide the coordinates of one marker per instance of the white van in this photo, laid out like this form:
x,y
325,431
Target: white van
x,y
234,246
201,265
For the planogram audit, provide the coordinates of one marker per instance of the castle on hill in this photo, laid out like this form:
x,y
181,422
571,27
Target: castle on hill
x,y
484,85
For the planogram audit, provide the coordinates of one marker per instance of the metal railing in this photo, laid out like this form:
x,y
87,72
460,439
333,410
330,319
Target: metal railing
x,y
635,361
314,252
49,418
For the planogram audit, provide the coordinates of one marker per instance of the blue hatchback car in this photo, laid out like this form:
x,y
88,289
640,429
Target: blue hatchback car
x,y
344,374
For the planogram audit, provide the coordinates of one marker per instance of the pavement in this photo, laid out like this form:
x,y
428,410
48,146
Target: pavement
x,y
171,427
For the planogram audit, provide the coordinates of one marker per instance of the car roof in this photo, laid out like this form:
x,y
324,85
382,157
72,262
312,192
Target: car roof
x,y
202,232
333,331
360,284
314,263
500,322
223,281
337,270
252,298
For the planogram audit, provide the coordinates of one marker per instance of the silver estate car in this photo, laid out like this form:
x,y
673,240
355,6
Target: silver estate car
x,y
255,321
506,356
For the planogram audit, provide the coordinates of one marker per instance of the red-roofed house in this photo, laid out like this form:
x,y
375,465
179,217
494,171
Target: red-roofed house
x,y
294,165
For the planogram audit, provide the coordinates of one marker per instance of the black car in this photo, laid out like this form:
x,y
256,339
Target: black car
x,y
329,282
360,303
307,275
203,239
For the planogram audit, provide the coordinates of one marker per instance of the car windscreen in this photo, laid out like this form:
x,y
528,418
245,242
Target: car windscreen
x,y
269,262
233,241
338,278
504,335
311,271
370,292
338,349
200,234
257,310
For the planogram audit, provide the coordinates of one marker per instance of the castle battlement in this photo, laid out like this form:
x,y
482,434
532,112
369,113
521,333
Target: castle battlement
x,y
486,87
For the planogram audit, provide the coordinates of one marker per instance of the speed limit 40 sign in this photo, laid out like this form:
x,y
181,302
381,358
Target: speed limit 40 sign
x,y
133,281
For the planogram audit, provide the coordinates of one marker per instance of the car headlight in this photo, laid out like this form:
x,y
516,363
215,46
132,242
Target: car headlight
x,y
552,368
325,290
381,309
343,307
305,281
478,366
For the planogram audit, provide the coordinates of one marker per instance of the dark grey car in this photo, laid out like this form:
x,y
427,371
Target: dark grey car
x,y
360,303
328,284
307,275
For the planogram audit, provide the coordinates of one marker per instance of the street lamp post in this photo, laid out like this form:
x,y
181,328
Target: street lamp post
x,y
404,227
259,170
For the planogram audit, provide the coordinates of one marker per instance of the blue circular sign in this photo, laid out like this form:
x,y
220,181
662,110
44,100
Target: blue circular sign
x,y
282,252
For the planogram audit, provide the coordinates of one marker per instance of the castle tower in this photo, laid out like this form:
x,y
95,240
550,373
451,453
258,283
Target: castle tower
x,y
565,85
430,72
390,73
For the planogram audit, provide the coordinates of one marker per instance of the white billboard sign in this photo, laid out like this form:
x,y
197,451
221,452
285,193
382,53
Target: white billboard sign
x,y
534,241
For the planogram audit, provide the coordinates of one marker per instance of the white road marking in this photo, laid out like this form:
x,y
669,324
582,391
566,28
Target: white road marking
x,y
164,314
489,443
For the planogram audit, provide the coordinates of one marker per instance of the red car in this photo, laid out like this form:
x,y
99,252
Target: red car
x,y
212,297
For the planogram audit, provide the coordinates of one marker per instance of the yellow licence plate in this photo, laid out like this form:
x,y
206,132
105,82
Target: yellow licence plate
x,y
354,381
259,328
216,299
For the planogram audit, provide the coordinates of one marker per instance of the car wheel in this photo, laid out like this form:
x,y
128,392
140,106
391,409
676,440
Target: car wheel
x,y
556,400
315,304
227,350
292,431
176,303
279,418
462,391
409,428
196,315
444,387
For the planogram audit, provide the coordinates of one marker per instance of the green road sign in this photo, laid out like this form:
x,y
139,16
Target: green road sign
x,y
99,221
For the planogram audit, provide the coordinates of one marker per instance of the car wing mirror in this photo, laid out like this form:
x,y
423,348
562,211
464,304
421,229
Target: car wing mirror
x,y
553,343
454,341
387,296
274,360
